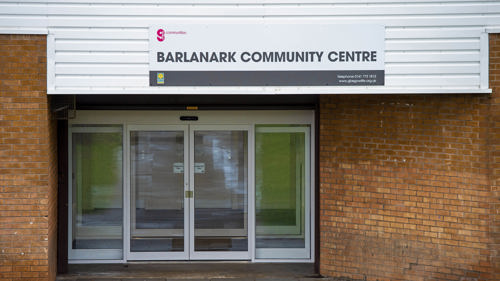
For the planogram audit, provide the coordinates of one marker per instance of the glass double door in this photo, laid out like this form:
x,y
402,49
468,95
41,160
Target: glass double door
x,y
188,192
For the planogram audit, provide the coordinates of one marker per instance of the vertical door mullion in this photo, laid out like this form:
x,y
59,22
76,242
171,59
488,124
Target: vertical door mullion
x,y
251,191
187,200
191,188
70,191
126,194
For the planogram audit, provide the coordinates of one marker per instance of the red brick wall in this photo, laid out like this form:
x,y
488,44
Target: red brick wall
x,y
494,139
409,185
27,162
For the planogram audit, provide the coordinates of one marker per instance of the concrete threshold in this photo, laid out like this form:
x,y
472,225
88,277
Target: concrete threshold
x,y
193,271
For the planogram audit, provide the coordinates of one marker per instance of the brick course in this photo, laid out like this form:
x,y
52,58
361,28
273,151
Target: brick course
x,y
409,185
27,162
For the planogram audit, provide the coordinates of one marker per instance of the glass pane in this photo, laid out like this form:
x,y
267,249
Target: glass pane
x,y
157,182
280,165
97,188
220,190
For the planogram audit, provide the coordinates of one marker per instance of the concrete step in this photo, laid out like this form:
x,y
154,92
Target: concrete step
x,y
194,271
98,278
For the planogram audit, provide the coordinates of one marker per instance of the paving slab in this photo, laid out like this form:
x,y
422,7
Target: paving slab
x,y
188,279
144,279
233,279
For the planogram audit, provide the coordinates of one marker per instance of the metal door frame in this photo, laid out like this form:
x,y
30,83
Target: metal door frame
x,y
224,255
130,119
184,255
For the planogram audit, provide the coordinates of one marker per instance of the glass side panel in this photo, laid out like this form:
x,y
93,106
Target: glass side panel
x,y
280,163
97,215
157,191
220,191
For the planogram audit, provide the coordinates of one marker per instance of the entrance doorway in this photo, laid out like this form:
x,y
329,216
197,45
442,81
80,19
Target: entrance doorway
x,y
189,192
184,185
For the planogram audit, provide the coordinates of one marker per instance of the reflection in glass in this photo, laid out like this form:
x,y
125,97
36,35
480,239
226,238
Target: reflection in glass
x,y
220,192
157,182
280,163
97,188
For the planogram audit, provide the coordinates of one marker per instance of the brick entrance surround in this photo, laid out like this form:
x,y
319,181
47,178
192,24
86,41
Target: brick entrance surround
x,y
409,184
28,167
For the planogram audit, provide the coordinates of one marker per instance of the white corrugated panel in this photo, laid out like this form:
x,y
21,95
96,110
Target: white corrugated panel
x,y
101,46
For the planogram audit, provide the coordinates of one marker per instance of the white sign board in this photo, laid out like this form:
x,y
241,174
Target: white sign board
x,y
266,55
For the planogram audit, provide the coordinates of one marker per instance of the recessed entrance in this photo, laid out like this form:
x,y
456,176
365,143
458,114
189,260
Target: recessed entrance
x,y
226,185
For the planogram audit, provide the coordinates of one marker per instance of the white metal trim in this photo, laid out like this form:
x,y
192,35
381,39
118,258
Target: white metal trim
x,y
136,127
451,28
126,192
20,30
156,256
93,261
51,62
206,117
284,261
492,29
283,253
312,190
261,2
216,127
308,199
251,192
96,129
187,187
70,192
282,130
484,61
268,90
95,254
190,188
206,255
